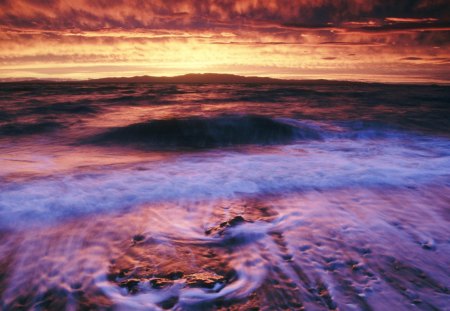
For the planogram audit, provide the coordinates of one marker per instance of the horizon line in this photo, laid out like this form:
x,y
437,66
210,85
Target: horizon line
x,y
247,78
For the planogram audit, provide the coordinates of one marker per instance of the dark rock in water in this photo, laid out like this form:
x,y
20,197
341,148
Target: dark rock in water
x,y
176,275
138,238
198,133
304,248
169,303
428,245
201,279
417,301
364,251
76,286
325,296
287,257
131,285
159,283
235,221
204,279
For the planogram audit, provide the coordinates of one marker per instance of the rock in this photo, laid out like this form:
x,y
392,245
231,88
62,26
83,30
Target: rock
x,y
201,279
159,283
287,257
76,285
204,279
428,245
176,275
236,221
220,229
131,285
138,238
417,301
169,303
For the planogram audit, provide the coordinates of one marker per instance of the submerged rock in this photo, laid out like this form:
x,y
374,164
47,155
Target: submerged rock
x,y
204,279
220,229
169,303
131,285
428,245
138,238
159,283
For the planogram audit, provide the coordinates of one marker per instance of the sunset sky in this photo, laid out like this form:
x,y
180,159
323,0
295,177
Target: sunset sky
x,y
402,40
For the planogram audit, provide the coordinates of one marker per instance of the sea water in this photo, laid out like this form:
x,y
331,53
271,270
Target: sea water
x,y
208,197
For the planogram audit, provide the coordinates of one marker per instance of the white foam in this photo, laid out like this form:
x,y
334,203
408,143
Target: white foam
x,y
321,164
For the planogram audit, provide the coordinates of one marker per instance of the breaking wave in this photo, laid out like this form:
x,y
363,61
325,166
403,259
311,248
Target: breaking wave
x,y
206,132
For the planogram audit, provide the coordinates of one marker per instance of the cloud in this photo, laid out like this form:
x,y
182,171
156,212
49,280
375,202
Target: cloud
x,y
411,58
198,14
410,19
199,35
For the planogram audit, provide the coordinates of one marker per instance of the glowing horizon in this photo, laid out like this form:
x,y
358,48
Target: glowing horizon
x,y
358,40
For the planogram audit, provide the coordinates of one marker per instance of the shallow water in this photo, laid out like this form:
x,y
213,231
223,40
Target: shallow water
x,y
191,197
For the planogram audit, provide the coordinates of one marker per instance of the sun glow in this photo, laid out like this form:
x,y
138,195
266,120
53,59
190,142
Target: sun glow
x,y
83,40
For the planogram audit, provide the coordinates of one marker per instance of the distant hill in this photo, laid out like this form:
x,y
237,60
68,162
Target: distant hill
x,y
215,78
195,78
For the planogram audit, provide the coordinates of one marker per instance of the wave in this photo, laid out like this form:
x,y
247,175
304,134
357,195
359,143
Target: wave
x,y
236,130
19,129
213,174
200,133
76,107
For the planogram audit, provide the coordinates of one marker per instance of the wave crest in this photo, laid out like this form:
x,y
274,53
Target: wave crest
x,y
206,132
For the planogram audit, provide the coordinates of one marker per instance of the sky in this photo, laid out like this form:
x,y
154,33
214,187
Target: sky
x,y
368,40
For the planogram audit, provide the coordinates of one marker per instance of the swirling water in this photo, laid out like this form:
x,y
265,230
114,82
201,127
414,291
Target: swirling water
x,y
216,197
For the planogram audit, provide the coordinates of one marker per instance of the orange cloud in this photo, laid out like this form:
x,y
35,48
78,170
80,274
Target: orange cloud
x,y
93,38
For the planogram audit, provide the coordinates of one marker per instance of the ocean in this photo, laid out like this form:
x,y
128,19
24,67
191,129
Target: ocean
x,y
138,196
